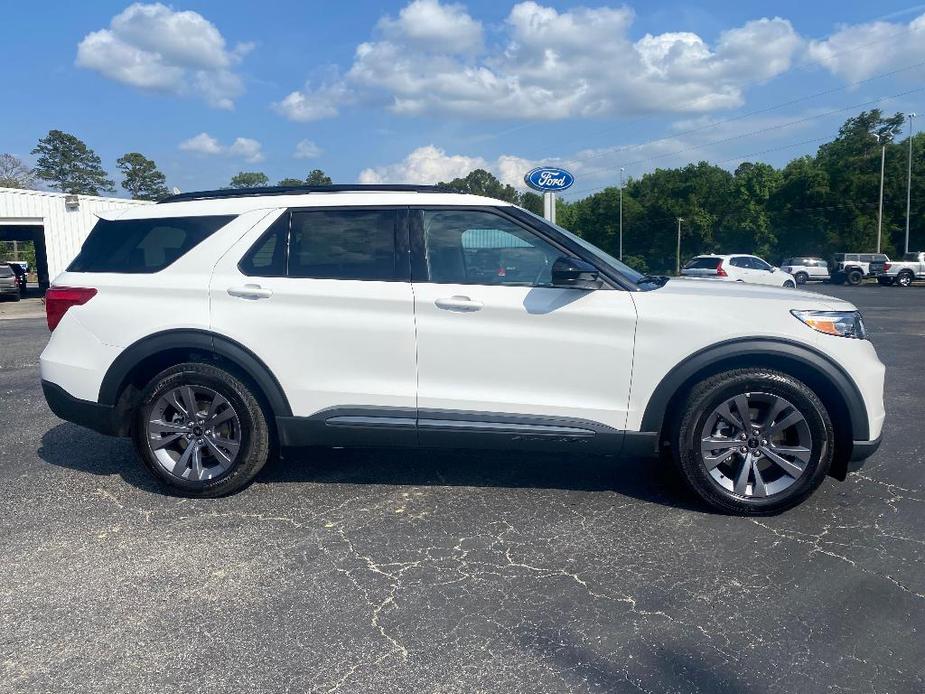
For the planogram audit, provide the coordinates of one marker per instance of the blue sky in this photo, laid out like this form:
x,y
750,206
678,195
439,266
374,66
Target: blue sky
x,y
424,90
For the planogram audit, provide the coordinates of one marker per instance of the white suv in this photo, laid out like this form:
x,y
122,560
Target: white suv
x,y
219,328
737,268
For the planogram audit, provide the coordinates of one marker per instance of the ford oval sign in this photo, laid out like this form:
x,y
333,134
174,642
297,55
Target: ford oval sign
x,y
548,179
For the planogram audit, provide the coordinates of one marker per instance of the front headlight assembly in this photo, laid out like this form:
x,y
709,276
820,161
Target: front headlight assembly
x,y
838,323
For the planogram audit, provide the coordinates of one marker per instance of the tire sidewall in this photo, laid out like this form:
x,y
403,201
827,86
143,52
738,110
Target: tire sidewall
x,y
854,278
700,408
252,430
904,279
801,278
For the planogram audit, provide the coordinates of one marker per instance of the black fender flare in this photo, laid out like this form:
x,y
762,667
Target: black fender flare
x,y
117,376
830,372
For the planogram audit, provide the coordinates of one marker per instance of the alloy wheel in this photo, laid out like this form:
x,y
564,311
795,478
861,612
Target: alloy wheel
x,y
756,445
194,433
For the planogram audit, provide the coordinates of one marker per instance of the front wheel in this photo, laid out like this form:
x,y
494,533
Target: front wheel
x,y
201,431
753,442
801,278
854,278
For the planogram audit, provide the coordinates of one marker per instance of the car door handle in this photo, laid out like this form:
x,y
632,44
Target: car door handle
x,y
458,303
250,291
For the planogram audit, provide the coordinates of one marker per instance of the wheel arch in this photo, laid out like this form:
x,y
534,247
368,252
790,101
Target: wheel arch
x,y
827,379
147,357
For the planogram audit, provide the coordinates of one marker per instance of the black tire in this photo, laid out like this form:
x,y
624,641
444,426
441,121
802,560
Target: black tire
x,y
904,278
789,284
801,278
254,434
854,278
700,404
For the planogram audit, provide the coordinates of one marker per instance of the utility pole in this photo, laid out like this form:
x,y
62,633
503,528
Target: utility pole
x,y
909,180
677,271
621,213
883,139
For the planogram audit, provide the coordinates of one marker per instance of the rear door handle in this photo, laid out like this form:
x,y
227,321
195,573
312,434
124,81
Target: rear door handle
x,y
458,303
250,291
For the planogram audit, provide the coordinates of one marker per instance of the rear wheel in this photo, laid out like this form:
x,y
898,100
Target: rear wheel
x,y
801,278
854,277
789,284
753,442
201,430
904,278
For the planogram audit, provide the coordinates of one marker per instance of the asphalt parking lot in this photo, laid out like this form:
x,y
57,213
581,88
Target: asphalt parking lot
x,y
390,571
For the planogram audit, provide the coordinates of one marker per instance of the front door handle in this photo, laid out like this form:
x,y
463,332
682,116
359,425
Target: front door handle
x,y
458,303
250,291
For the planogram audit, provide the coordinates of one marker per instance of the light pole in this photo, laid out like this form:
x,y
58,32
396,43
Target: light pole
x,y
677,271
883,139
621,213
909,180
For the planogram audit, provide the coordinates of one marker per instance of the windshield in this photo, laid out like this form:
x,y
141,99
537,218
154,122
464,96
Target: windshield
x,y
624,269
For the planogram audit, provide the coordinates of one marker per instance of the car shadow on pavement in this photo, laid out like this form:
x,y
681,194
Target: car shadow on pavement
x,y
77,448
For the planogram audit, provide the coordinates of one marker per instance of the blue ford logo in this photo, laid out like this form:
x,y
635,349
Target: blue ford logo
x,y
549,179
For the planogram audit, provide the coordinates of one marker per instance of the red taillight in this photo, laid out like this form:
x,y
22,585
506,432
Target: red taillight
x,y
720,272
886,266
59,299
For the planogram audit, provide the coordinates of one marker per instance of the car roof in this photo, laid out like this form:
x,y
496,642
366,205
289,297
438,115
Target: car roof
x,y
727,255
240,205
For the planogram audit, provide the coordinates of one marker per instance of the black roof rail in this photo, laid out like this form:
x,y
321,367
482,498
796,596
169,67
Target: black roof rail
x,y
300,190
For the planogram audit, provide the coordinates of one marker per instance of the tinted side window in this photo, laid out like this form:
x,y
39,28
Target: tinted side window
x,y
267,257
142,245
703,263
473,247
759,264
344,244
739,262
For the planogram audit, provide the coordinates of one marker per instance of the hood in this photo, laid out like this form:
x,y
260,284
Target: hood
x,y
730,289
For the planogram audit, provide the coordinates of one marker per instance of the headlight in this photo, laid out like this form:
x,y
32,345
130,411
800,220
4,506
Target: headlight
x,y
839,323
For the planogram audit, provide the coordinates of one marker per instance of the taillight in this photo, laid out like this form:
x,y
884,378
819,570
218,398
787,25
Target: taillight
x,y
59,299
886,266
720,271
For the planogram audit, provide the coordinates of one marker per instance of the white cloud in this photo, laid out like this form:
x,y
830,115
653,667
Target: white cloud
x,y
856,52
429,25
247,149
549,64
243,147
203,143
306,149
153,47
424,165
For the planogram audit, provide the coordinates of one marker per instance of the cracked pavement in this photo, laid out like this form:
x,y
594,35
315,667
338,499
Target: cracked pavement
x,y
455,571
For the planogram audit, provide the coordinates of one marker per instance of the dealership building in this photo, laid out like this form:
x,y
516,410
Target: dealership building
x,y
58,224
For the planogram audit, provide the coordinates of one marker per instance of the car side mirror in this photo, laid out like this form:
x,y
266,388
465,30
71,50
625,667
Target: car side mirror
x,y
575,274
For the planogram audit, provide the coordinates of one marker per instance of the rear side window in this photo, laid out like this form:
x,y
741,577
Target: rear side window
x,y
344,245
703,264
267,257
139,246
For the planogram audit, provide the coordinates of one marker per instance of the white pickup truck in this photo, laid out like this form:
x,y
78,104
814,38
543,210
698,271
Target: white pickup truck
x,y
902,273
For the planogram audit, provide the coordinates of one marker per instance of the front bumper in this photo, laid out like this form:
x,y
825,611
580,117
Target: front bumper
x,y
89,414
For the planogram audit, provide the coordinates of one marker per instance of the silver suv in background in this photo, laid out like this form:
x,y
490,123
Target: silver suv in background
x,y
9,284
805,269
904,272
852,268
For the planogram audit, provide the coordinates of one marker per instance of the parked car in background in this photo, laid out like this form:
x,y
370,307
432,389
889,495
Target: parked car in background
x,y
902,273
805,269
21,272
853,268
9,285
738,268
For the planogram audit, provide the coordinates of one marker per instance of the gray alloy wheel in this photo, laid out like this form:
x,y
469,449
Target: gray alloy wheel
x,y
904,278
756,445
194,433
801,278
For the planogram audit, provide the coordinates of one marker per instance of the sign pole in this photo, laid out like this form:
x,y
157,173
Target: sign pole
x,y
549,206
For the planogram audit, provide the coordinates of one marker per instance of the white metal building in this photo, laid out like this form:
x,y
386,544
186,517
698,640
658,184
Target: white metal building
x,y
58,223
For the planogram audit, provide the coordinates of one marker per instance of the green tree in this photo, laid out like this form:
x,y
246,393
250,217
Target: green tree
x,y
747,226
249,179
482,182
15,174
69,165
291,182
142,178
317,177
